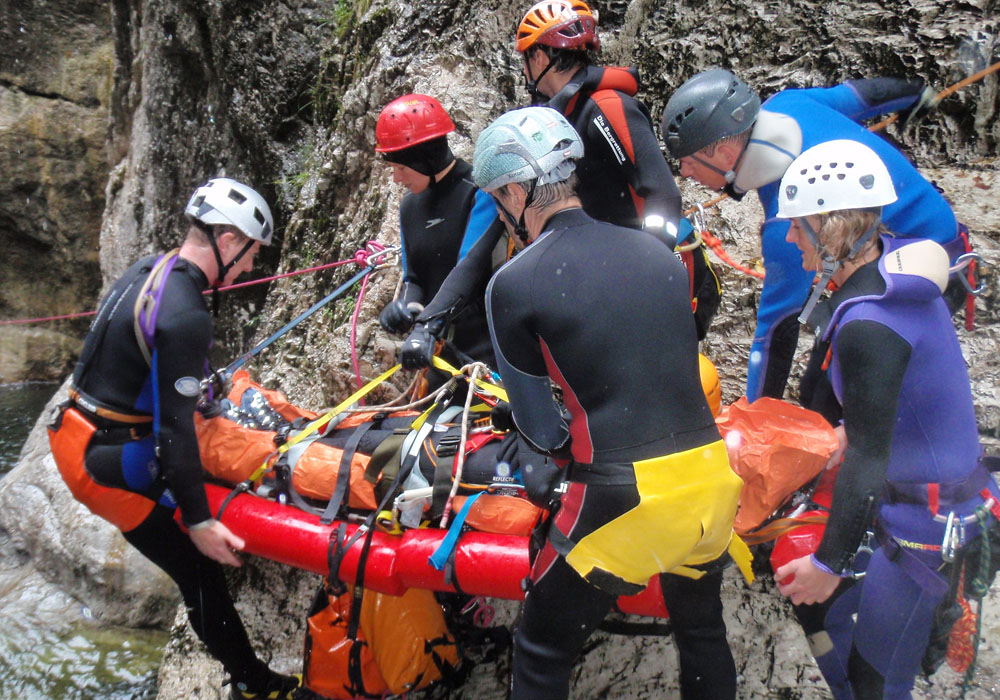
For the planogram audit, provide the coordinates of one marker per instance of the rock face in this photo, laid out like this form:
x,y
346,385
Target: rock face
x,y
285,96
55,88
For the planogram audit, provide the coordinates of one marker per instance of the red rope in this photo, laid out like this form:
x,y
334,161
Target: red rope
x,y
360,257
716,245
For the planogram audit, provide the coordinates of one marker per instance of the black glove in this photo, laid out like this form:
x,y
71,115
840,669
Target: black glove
x,y
502,417
395,317
418,348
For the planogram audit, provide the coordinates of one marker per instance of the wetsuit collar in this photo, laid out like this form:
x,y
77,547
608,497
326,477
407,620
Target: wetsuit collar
x,y
566,218
590,79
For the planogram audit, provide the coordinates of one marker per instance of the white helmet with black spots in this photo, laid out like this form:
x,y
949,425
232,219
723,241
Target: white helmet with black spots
x,y
222,201
531,143
834,175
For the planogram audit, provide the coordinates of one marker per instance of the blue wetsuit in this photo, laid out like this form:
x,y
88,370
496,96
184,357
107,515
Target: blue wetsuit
x,y
821,115
438,227
913,451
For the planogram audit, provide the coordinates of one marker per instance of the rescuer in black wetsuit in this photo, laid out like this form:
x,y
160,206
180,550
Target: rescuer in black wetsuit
x,y
650,488
439,220
126,443
623,177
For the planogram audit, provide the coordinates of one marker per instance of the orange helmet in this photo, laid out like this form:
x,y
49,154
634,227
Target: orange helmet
x,y
409,120
561,24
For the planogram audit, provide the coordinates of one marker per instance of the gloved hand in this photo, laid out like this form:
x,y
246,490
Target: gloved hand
x,y
914,113
395,317
502,417
418,348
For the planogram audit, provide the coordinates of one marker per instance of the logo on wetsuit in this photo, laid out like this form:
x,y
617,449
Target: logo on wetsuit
x,y
601,123
433,222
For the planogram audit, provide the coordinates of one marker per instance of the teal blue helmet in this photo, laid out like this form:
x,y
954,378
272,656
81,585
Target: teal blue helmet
x,y
525,144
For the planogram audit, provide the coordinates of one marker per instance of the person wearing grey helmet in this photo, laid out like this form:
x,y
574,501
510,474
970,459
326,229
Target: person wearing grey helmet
x,y
582,305
125,442
726,139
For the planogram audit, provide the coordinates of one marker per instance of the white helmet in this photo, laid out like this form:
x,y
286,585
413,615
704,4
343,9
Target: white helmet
x,y
831,176
228,202
525,144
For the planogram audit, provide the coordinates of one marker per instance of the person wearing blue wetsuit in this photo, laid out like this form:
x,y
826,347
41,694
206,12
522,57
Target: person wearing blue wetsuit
x,y
650,491
440,219
726,140
912,471
126,444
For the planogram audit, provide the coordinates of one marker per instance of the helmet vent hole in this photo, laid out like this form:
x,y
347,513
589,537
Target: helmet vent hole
x,y
849,165
237,197
257,215
199,200
841,176
812,181
826,177
820,202
867,181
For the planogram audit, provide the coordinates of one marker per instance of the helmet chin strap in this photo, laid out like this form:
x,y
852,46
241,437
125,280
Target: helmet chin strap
x,y
531,82
520,230
830,264
223,268
729,175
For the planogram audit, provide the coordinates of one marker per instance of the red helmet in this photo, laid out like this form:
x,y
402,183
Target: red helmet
x,y
561,24
409,120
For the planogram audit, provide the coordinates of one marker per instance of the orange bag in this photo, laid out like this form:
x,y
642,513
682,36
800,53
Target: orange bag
x,y
335,665
409,638
776,448
500,514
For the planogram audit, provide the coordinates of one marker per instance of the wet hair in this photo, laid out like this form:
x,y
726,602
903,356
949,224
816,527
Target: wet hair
x,y
739,140
562,59
838,231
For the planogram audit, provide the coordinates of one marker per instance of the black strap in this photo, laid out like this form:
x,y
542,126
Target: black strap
x,y
344,473
637,629
242,487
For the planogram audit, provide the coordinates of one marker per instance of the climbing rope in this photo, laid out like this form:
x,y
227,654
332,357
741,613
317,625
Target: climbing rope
x,y
360,257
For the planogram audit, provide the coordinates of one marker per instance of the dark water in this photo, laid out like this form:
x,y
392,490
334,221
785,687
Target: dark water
x,y
62,660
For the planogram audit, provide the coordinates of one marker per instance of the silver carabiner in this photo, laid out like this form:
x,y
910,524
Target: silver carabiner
x,y
698,218
954,537
865,548
962,262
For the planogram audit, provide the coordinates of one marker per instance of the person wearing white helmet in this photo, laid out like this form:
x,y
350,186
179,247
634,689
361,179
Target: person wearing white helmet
x,y
603,311
724,137
125,443
911,470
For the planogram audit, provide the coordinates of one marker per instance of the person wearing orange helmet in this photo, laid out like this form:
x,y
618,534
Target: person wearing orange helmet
x,y
624,178
439,219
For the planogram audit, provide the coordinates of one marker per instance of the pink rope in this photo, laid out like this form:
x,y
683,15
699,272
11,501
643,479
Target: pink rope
x,y
360,257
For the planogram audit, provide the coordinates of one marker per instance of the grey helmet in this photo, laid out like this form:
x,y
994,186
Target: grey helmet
x,y
711,106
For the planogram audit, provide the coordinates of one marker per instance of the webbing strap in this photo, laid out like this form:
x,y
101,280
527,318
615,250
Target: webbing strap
x,y
324,419
147,303
447,546
491,389
344,472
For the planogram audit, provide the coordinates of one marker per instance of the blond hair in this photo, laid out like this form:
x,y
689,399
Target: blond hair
x,y
839,231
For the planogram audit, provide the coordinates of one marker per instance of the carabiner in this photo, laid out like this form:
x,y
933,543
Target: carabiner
x,y
961,263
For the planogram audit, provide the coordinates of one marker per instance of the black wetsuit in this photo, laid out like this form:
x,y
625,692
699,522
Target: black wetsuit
x,y
603,312
160,460
438,227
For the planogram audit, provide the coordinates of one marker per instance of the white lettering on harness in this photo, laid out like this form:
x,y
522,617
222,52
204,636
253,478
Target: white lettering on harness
x,y
609,136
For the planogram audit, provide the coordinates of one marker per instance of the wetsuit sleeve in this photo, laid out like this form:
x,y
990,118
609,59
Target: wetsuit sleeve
x,y
181,347
482,215
623,127
522,365
469,275
413,286
786,286
872,360
864,99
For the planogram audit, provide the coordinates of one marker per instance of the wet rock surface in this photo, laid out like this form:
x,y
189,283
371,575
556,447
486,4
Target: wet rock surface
x,y
285,96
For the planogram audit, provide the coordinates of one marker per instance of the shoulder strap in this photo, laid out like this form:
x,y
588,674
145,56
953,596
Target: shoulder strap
x,y
147,303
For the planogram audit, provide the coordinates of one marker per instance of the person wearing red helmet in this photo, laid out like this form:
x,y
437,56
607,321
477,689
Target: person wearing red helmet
x,y
439,219
624,178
